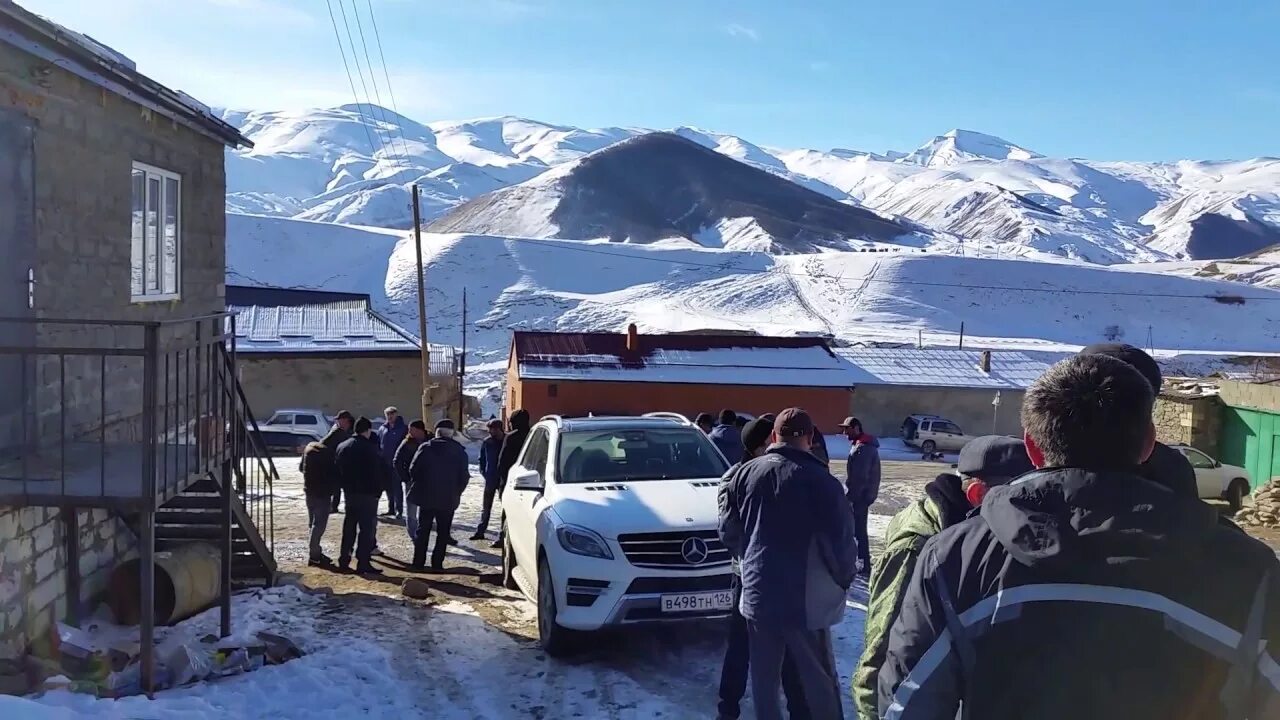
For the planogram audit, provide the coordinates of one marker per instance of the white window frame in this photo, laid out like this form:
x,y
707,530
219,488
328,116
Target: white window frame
x,y
152,172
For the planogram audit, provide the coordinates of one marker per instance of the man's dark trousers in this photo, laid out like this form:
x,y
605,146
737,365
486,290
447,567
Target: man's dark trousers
x,y
860,513
443,520
337,498
815,664
361,518
490,492
736,668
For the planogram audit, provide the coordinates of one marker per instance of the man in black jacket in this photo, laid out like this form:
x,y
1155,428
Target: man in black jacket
x,y
403,458
337,435
319,483
439,474
785,516
1084,590
512,444
363,471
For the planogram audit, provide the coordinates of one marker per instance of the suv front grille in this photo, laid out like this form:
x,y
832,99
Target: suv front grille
x,y
681,550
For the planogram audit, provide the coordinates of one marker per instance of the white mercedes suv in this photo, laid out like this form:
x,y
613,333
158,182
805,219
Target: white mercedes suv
x,y
612,521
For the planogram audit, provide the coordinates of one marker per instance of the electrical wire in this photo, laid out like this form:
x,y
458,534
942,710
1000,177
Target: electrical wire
x,y
373,77
377,36
347,68
342,8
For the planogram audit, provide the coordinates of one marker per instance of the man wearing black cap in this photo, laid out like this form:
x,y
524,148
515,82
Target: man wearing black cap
x,y
984,462
363,474
338,434
439,473
737,655
785,516
1166,466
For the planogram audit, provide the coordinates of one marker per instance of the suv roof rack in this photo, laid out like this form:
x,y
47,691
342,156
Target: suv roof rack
x,y
553,418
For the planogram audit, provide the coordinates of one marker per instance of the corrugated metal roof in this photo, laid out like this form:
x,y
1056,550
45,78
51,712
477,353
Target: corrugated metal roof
x,y
696,359
941,368
277,320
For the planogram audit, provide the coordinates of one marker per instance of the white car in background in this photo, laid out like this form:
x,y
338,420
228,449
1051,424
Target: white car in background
x,y
612,521
302,420
932,433
1215,480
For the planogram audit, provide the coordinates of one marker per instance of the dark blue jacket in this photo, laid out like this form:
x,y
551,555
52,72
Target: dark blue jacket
x,y
360,466
490,450
438,474
862,477
786,517
389,438
728,439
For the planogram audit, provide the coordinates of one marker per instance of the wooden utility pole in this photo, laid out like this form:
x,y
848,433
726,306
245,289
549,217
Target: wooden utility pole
x,y
422,312
462,363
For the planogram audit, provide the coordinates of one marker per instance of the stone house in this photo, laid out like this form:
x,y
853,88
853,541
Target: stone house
x,y
891,384
331,351
112,194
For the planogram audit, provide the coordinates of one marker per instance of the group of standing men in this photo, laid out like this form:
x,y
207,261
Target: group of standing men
x,y
423,476
1073,573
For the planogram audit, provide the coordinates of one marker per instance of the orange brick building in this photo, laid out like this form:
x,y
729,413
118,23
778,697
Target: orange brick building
x,y
576,374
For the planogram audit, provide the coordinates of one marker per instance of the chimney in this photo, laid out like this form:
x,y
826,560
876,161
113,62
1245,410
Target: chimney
x,y
633,339
984,361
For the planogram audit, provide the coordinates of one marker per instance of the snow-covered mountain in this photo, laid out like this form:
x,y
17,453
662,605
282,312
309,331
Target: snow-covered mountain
x,y
354,164
662,186
897,297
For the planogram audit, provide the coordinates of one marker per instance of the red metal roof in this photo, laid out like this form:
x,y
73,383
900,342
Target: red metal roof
x,y
565,345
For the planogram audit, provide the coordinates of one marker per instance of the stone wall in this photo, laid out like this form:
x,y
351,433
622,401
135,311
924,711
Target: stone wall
x,y
83,141
1250,395
363,384
1193,421
33,569
882,408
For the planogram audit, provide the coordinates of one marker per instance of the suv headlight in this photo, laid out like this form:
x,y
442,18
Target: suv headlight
x,y
581,541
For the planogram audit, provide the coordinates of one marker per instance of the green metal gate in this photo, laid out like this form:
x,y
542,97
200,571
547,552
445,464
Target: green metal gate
x,y
1251,439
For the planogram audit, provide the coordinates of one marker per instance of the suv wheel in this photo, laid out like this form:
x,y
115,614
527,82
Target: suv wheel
x,y
508,563
553,638
929,446
1236,492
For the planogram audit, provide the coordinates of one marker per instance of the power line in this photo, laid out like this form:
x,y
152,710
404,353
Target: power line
x,y
342,8
373,77
345,66
404,155
562,245
378,38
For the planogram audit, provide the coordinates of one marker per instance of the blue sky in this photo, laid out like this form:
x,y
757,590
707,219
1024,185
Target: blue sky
x,y
1131,79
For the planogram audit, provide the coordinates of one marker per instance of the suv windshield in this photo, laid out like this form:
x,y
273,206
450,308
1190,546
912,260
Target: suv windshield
x,y
677,453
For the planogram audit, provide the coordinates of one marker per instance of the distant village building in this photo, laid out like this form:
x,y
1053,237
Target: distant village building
x,y
891,384
331,351
577,374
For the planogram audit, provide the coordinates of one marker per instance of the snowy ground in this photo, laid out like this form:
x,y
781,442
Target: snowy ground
x,y
466,653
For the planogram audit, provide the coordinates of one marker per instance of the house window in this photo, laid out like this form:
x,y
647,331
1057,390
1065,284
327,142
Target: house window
x,y
553,390
155,252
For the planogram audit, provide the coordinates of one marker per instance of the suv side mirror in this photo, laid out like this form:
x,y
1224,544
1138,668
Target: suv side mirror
x,y
527,480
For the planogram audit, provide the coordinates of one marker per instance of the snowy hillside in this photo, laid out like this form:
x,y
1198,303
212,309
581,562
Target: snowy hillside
x,y
898,297
661,186
354,164
1261,268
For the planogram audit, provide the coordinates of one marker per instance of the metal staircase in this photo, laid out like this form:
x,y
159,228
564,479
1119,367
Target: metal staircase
x,y
148,420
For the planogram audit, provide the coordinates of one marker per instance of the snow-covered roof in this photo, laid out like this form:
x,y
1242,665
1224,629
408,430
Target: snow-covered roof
x,y
686,359
108,68
274,320
941,368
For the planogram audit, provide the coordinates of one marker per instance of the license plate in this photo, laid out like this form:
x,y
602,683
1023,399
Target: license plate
x,y
697,602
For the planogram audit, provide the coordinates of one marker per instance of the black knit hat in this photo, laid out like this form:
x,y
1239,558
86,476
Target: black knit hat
x,y
756,434
1141,361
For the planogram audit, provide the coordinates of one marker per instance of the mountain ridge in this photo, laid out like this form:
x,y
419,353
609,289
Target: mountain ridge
x,y
342,165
